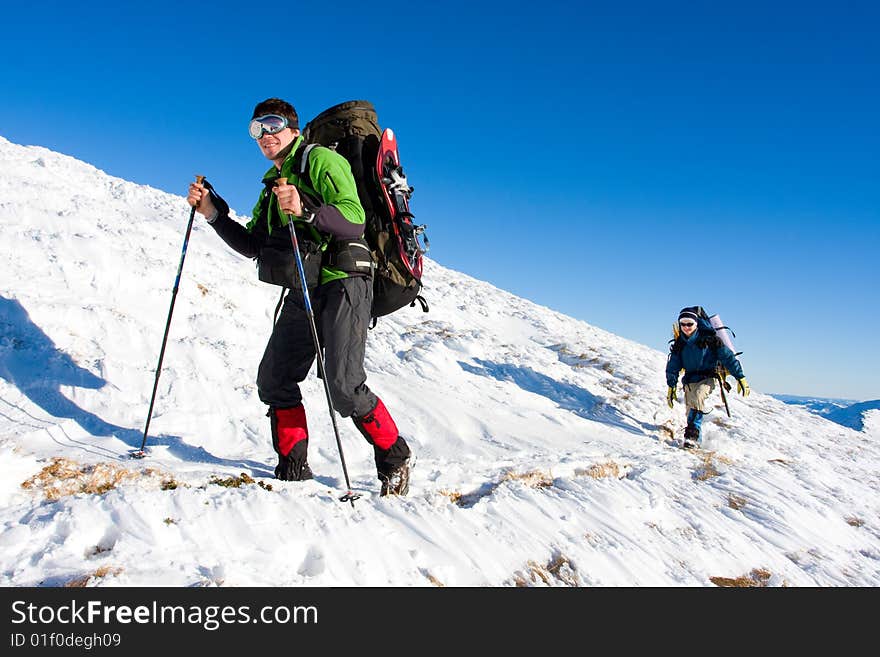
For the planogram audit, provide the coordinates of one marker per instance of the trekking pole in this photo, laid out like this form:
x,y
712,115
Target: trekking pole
x,y
349,495
723,385
140,453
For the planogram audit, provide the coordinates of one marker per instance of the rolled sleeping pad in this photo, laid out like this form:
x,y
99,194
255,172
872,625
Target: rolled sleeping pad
x,y
722,332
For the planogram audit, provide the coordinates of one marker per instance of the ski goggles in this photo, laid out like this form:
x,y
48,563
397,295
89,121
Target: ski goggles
x,y
269,124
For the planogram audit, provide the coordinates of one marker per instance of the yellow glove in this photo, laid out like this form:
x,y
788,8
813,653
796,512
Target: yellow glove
x,y
670,396
742,387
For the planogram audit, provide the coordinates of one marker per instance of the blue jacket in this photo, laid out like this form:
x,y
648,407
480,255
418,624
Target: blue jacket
x,y
698,355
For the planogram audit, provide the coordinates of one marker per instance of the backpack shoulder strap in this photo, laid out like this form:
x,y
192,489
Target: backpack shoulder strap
x,y
301,161
302,169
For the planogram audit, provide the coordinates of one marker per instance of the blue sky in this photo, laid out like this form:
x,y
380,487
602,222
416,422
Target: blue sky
x,y
613,161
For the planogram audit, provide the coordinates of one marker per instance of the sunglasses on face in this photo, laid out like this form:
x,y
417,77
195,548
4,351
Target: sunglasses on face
x,y
270,124
687,324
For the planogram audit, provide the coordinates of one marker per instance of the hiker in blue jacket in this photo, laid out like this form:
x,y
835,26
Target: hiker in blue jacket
x,y
698,351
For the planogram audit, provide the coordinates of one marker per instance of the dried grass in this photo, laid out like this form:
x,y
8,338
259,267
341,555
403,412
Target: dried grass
x,y
436,582
706,472
668,431
103,571
601,471
98,550
453,495
854,521
64,477
757,578
532,479
707,469
232,482
736,502
559,571
243,479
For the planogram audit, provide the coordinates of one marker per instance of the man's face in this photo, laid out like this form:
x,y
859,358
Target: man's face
x,y
272,134
271,145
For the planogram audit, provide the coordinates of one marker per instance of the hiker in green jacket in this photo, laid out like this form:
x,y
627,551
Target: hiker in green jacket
x,y
322,201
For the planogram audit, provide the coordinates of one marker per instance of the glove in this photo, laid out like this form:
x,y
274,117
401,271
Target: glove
x,y
670,396
742,387
221,206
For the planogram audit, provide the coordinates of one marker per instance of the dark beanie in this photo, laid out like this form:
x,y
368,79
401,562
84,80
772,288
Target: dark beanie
x,y
687,313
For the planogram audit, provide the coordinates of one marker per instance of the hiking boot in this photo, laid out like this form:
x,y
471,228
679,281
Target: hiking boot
x,y
691,437
289,469
396,483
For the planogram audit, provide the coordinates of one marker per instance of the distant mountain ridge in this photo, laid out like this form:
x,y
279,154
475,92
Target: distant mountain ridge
x,y
856,416
846,412
819,405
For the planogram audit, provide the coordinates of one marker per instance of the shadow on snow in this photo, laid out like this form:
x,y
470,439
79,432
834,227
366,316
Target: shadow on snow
x,y
31,362
567,396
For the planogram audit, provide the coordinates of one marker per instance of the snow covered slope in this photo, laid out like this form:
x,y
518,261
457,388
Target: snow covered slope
x,y
545,452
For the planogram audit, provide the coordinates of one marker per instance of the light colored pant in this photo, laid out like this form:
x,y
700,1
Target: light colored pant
x,y
696,394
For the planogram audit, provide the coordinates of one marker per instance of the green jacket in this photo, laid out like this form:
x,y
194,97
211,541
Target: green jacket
x,y
333,199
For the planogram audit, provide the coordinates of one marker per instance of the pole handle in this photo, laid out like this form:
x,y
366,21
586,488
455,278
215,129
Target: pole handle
x,y
200,179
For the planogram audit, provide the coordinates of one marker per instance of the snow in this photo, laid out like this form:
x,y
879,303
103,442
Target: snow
x,y
546,455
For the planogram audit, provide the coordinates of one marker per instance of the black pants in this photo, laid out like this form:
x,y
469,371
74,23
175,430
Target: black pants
x,y
342,317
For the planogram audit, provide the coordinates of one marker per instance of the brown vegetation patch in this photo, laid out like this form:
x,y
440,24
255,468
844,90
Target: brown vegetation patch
x,y
239,481
436,582
707,469
559,571
757,578
66,477
103,571
532,479
98,550
780,461
667,431
453,495
854,521
736,502
232,482
601,471
202,289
